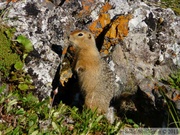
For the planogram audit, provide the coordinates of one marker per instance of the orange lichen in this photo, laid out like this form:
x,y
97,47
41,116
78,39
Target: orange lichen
x,y
97,26
119,27
104,20
106,7
11,1
105,52
176,98
86,4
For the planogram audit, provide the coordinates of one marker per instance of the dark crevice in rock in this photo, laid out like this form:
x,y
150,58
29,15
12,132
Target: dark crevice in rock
x,y
62,2
83,22
32,54
100,38
31,9
55,82
52,18
141,109
151,21
66,94
57,49
152,46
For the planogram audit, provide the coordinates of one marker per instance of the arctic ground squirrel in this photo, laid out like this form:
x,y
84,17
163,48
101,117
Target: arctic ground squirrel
x,y
95,77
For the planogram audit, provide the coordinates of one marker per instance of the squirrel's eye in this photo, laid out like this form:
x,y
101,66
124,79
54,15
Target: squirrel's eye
x,y
80,34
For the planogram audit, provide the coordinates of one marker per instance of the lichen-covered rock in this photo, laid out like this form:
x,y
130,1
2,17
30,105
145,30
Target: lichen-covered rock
x,y
46,27
151,39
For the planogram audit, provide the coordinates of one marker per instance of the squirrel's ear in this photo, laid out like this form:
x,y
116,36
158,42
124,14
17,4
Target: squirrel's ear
x,y
89,36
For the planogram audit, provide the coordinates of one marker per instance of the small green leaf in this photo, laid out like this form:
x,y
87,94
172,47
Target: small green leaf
x,y
99,118
2,88
25,55
18,65
130,121
54,125
16,131
20,111
35,132
33,117
23,86
136,126
10,104
27,45
31,123
2,100
8,130
32,128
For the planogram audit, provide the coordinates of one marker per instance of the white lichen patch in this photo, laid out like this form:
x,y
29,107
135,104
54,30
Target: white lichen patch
x,y
120,7
111,64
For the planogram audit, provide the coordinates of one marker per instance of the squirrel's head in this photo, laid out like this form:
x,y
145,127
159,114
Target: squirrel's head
x,y
82,39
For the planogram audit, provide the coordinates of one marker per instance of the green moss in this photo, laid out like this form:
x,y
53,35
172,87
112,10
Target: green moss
x,y
12,55
7,57
173,4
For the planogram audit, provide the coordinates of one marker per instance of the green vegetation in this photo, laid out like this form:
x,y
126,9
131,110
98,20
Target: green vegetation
x,y
12,52
12,55
27,115
172,112
7,56
26,45
174,80
173,4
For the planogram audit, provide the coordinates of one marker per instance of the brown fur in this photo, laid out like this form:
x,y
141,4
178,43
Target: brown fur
x,y
95,78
